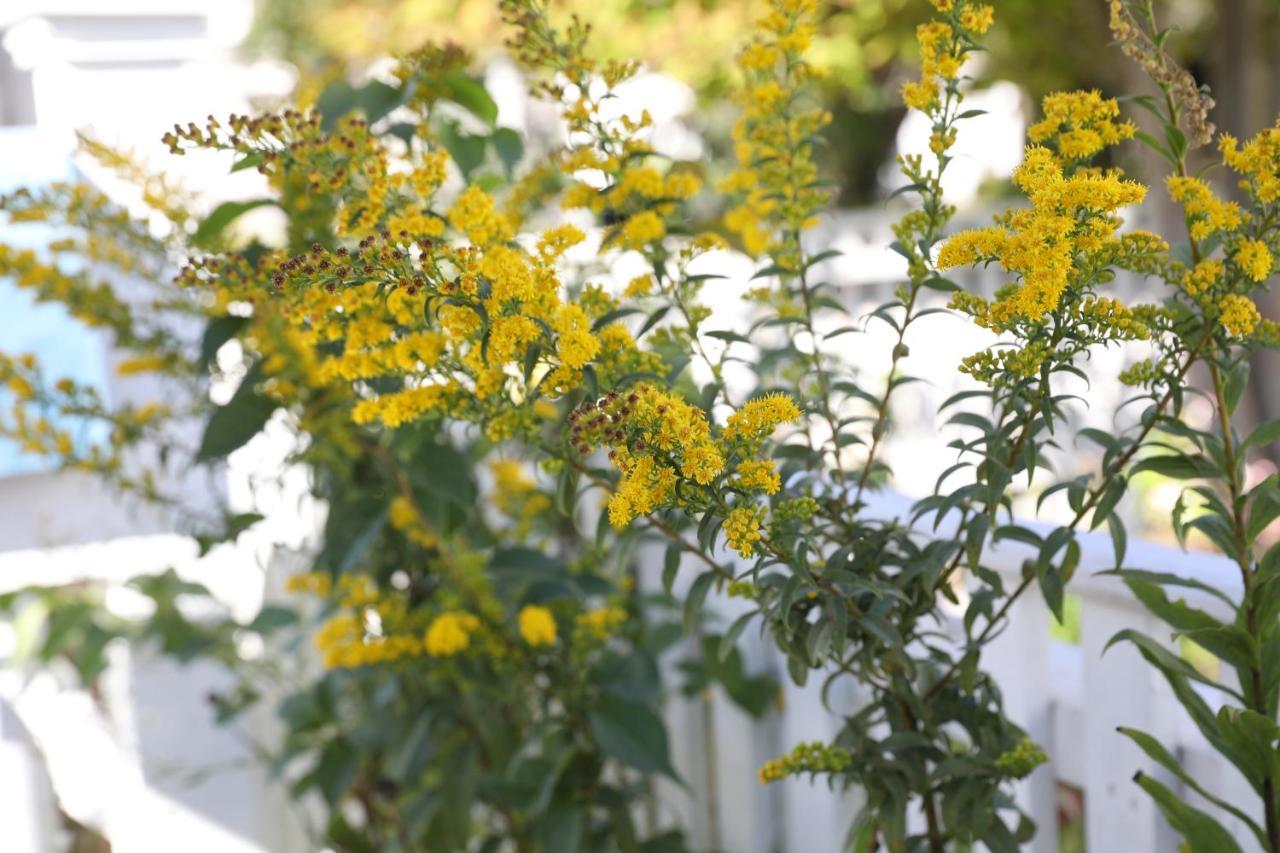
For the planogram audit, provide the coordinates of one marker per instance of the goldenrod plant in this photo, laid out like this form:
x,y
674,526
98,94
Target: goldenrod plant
x,y
495,433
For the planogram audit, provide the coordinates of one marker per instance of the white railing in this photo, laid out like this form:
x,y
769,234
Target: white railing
x,y
1069,698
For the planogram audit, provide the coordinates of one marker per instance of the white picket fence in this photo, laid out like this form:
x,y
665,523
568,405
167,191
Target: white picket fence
x,y
1069,698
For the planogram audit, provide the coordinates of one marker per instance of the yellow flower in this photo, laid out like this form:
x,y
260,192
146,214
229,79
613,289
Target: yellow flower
x,y
1254,258
757,419
922,96
1202,276
936,58
141,364
977,19
641,285
427,178
450,633
556,241
642,229
1258,162
537,625
474,214
1209,214
1080,124
1239,315
742,529
759,475
1071,217
758,57
813,757
645,485
315,583
602,622
575,344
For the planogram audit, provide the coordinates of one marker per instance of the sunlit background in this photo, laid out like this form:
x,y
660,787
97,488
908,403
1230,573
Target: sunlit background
x,y
140,764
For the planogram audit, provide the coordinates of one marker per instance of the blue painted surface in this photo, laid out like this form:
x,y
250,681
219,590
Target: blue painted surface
x,y
31,158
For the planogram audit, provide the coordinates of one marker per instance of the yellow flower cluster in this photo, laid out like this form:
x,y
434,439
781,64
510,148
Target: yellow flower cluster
x,y
1201,278
758,418
944,46
369,630
742,528
405,518
537,625
759,475
42,418
318,584
814,757
1258,162
1254,258
635,197
1079,125
475,214
344,643
1071,224
776,176
450,633
1207,213
1239,315
601,622
655,438
642,229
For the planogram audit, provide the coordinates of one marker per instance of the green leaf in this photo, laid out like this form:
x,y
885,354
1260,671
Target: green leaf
x,y
336,770
218,332
1263,434
1119,538
248,161
1264,506
1202,833
728,336
470,94
351,528
694,600
466,150
729,642
561,828
1176,671
1156,146
1108,501
231,426
375,100
272,618
1158,753
670,565
632,734
1167,579
220,217
1178,466
1227,642
1235,382
411,752
445,473
509,147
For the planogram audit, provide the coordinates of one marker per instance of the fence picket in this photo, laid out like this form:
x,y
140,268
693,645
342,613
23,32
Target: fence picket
x,y
1117,691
